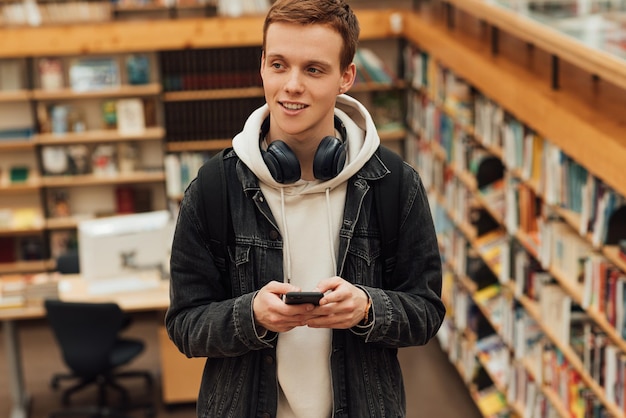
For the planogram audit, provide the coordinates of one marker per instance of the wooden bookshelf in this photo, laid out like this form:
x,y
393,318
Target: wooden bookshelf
x,y
156,35
20,231
572,123
69,222
31,185
122,91
24,267
14,96
602,64
207,145
216,94
7,145
99,180
99,136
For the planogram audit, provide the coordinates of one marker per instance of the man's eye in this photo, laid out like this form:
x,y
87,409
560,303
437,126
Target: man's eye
x,y
277,65
314,70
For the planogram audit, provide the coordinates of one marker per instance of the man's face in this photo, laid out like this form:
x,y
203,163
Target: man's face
x,y
302,78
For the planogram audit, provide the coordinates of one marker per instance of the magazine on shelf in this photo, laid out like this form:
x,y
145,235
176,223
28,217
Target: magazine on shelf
x,y
88,74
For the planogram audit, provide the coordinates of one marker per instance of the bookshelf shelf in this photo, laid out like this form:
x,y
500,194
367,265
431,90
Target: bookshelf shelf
x,y
362,86
100,136
216,94
14,96
69,222
20,231
22,267
16,145
96,180
26,187
207,145
158,35
122,91
392,135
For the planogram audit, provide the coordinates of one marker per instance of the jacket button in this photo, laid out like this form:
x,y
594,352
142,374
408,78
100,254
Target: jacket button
x,y
266,415
269,360
274,234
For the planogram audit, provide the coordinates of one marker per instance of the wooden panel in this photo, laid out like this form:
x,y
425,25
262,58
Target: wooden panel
x,y
95,180
121,91
603,64
214,94
154,35
14,95
150,133
180,376
208,145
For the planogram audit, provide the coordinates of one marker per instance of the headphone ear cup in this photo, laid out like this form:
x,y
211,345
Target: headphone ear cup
x,y
282,162
329,159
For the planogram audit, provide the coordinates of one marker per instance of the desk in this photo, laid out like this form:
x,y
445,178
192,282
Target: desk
x,y
71,288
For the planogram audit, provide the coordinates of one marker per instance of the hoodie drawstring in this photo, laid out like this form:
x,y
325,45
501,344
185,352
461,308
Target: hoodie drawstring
x,y
331,237
285,233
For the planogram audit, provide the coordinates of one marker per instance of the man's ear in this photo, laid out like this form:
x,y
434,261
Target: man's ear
x,y
262,63
347,78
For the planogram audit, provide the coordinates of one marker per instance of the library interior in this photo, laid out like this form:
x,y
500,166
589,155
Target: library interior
x,y
513,112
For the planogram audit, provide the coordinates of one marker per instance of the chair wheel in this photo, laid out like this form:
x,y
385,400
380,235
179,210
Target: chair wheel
x,y
150,412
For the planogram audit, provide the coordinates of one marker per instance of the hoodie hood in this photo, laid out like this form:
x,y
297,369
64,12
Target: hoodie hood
x,y
362,139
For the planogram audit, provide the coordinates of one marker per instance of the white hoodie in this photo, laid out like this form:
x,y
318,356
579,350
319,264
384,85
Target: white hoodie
x,y
309,215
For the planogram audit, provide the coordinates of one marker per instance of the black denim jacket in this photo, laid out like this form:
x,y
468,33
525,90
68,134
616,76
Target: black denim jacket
x,y
211,316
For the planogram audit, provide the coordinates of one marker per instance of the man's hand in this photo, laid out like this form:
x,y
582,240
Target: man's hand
x,y
342,307
271,313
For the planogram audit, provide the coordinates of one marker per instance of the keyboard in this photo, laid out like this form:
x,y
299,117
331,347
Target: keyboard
x,y
120,285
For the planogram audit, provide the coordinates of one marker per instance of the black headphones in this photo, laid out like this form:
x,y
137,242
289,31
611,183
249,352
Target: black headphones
x,y
284,166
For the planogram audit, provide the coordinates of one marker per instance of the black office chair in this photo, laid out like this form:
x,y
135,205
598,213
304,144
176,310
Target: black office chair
x,y
68,262
88,335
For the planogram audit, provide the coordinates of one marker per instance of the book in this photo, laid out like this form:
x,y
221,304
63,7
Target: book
x,y
88,74
138,69
50,73
11,75
130,117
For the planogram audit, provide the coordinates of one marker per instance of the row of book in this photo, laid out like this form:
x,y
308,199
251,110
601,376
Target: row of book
x,y
32,13
534,168
83,74
19,290
180,170
206,69
207,119
126,117
519,359
559,248
21,248
555,306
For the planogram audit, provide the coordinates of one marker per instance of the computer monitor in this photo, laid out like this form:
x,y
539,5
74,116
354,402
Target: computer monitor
x,y
124,244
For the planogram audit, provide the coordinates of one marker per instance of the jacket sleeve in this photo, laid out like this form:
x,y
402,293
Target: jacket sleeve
x,y
203,319
408,310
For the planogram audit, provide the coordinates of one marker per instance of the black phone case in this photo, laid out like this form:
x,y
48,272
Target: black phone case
x,y
296,298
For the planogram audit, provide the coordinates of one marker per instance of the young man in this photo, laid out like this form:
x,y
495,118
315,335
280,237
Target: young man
x,y
299,181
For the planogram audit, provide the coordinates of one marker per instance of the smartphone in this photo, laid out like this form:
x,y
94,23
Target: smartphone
x,y
296,298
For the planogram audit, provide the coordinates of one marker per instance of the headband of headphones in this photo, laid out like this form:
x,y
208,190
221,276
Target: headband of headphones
x,y
339,127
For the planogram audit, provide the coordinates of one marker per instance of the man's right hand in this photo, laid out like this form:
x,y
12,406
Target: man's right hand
x,y
271,313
